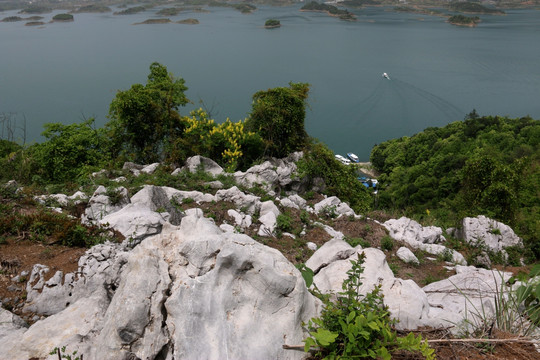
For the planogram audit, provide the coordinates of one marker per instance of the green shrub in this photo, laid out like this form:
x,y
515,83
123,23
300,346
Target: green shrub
x,y
387,243
341,181
356,326
284,223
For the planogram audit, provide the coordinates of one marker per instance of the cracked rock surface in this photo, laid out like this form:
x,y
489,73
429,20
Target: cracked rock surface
x,y
191,292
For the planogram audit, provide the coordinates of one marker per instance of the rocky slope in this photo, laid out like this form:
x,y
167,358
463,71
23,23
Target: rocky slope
x,y
186,285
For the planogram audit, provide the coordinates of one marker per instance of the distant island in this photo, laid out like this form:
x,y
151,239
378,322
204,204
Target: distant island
x,y
272,24
131,10
36,9
154,21
34,23
62,18
243,8
330,10
94,8
473,8
462,20
188,21
169,11
12,19
418,10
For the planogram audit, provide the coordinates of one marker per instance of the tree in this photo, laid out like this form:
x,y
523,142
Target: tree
x,y
69,152
144,119
278,116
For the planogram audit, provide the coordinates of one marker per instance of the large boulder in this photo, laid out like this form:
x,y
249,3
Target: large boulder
x,y
246,202
135,222
411,232
425,238
196,163
465,299
190,292
98,268
272,174
333,206
485,231
101,204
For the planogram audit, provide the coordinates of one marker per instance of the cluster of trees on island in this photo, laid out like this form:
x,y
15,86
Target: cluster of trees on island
x,y
486,165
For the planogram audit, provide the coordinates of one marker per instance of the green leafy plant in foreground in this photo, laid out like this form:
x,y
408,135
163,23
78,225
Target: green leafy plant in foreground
x,y
357,326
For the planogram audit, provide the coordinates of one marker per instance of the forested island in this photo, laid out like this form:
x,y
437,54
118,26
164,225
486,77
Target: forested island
x,y
473,8
272,23
462,20
62,18
330,10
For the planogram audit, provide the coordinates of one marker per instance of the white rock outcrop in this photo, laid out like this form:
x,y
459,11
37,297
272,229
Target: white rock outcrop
x,y
485,231
190,292
100,204
425,238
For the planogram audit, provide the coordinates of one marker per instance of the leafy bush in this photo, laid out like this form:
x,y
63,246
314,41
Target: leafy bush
x,y
70,152
358,326
319,163
283,223
387,243
227,143
278,115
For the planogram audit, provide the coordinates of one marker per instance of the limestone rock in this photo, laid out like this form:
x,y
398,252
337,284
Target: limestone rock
x,y
197,162
494,235
190,292
409,231
241,220
272,174
249,203
98,268
293,201
100,205
10,324
150,169
333,205
135,222
331,251
406,255
468,295
420,237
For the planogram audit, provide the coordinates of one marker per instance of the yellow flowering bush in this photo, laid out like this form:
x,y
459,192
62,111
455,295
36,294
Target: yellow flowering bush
x,y
227,143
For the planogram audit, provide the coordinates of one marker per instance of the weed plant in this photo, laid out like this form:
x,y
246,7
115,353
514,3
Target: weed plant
x,y
356,326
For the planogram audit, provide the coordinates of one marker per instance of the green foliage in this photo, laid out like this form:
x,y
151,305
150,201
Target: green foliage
x,y
72,356
63,17
272,23
283,223
144,120
358,326
319,163
463,20
69,153
480,166
387,243
48,226
277,115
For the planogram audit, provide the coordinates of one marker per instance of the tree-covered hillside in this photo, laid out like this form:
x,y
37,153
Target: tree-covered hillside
x,y
486,165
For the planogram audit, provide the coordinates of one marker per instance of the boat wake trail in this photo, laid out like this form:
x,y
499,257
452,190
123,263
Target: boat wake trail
x,y
447,108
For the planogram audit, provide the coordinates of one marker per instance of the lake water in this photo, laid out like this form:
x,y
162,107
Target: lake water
x,y
65,72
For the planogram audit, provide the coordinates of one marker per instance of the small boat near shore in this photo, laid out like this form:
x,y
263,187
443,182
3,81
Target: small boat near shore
x,y
385,75
353,157
342,159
